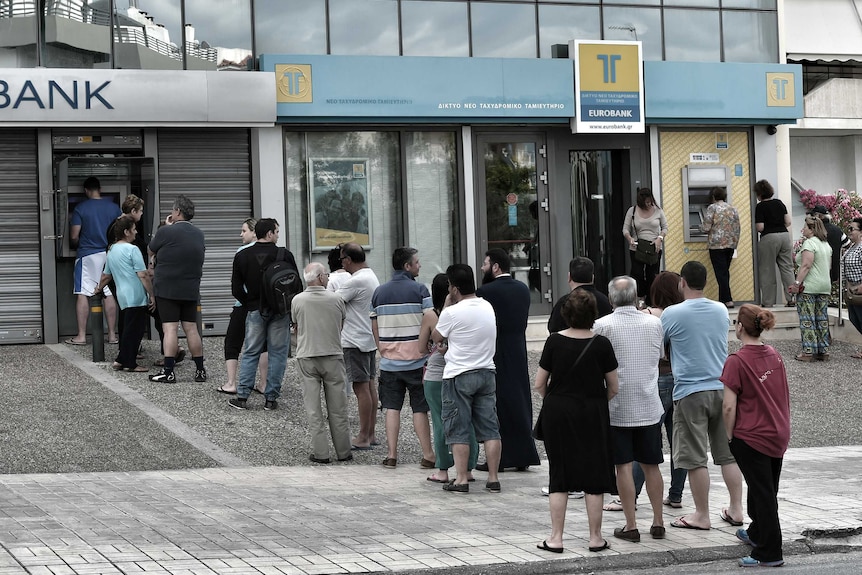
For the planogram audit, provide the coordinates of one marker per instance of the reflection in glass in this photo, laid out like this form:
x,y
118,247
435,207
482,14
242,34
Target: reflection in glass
x,y
147,35
755,4
641,2
18,24
431,187
693,3
642,24
383,175
559,24
750,36
692,35
273,37
503,30
84,26
434,29
511,205
363,28
218,34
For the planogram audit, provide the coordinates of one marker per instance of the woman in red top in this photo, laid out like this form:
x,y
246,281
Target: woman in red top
x,y
757,420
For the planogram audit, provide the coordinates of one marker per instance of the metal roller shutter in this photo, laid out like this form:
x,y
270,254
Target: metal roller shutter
x,y
20,273
213,169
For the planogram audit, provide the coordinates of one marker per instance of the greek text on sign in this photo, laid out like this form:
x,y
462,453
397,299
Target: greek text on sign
x,y
703,158
609,79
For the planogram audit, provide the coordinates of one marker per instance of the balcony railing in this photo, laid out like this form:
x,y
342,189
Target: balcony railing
x,y
69,9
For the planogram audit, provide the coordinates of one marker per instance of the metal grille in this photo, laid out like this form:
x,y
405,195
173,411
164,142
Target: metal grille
x,y
212,168
20,274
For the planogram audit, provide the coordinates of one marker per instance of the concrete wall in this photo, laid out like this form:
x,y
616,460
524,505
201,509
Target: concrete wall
x,y
825,163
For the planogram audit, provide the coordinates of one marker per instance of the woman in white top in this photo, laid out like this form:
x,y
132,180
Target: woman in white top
x,y
644,221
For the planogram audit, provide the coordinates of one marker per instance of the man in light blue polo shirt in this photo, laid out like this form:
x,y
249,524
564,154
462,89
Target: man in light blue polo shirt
x,y
696,332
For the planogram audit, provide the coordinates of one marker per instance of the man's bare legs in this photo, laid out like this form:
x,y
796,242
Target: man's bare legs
x,y
367,408
393,428
170,339
82,313
698,483
196,345
423,432
626,490
461,455
655,489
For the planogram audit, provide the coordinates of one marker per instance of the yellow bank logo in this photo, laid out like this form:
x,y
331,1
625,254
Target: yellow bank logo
x,y
606,67
780,89
293,83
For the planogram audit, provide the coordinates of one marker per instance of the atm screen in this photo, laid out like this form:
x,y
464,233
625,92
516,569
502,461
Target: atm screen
x,y
695,219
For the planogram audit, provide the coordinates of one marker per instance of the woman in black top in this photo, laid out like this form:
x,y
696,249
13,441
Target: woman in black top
x,y
772,220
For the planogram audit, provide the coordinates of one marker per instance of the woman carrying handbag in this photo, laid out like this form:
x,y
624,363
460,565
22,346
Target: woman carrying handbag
x,y
644,229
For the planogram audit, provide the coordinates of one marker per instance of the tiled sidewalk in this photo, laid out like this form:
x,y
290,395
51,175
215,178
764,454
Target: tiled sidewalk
x,y
348,519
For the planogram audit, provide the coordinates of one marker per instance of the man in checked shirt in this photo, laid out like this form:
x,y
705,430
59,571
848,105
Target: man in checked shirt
x,y
637,410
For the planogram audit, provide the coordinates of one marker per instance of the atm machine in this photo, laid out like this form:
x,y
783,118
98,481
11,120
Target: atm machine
x,y
697,181
120,174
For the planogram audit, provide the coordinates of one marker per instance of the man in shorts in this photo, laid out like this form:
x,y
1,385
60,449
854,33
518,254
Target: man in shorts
x,y
396,316
178,249
467,330
696,331
87,232
636,411
357,340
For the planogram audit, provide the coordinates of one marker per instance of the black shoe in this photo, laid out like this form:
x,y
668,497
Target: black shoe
x,y
348,458
200,375
455,488
270,405
237,403
492,486
313,459
164,377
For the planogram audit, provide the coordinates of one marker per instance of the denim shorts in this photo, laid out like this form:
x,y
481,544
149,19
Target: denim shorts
x,y
470,400
360,365
696,419
395,384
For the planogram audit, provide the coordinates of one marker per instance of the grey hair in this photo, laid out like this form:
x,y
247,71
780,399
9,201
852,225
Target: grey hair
x,y
184,206
623,290
311,272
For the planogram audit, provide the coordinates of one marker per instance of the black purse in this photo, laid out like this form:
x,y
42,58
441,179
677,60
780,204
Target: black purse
x,y
646,252
537,429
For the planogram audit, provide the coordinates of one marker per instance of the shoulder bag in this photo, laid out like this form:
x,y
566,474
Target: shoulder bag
x,y
537,429
646,252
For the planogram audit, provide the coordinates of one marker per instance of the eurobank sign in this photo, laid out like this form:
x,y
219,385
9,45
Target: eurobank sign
x,y
52,96
401,88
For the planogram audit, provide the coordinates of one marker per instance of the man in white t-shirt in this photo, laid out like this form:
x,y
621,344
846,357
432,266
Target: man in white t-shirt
x,y
467,328
357,339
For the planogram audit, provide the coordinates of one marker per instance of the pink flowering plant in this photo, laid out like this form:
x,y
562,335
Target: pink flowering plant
x,y
843,206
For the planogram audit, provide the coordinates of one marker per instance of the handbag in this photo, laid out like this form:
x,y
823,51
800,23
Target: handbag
x,y
537,429
852,298
646,252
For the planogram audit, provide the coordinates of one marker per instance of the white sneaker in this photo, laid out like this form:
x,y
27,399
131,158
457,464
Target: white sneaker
x,y
572,494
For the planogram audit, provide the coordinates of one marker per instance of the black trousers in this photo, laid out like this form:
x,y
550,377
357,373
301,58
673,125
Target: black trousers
x,y
644,275
761,473
721,260
133,332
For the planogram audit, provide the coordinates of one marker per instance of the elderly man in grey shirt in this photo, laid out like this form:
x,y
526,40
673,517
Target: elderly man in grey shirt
x,y
636,411
319,316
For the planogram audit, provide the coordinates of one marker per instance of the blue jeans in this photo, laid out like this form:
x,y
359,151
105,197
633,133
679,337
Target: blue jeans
x,y
264,332
677,476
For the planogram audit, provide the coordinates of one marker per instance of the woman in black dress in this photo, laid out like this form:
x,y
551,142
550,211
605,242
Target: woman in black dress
x,y
575,421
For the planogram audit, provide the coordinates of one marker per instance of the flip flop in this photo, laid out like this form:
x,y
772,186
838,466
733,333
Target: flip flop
x,y
682,523
725,516
545,547
113,341
857,355
222,390
117,366
360,448
433,479
601,547
71,341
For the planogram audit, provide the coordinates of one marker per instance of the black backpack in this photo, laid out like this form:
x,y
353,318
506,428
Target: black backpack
x,y
279,282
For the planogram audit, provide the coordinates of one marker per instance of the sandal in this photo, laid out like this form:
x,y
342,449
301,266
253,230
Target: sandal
x,y
614,505
857,355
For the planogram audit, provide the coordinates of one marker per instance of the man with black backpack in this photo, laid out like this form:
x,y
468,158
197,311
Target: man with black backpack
x,y
264,280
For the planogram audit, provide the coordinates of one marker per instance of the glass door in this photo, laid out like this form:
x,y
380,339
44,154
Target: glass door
x,y
513,200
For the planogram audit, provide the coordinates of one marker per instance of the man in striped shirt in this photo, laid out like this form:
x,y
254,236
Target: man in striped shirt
x,y
396,315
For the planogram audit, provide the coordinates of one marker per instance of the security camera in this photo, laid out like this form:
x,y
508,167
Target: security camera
x,y
771,130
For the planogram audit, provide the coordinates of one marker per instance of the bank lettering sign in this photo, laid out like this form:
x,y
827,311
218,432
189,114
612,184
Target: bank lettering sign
x,y
609,95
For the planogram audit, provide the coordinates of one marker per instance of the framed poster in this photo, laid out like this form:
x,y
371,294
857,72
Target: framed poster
x,y
339,203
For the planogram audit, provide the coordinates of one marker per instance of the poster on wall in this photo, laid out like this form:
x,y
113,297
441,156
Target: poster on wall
x,y
340,202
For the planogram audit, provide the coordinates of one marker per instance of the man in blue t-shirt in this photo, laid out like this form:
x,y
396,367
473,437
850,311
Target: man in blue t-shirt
x,y
88,224
696,331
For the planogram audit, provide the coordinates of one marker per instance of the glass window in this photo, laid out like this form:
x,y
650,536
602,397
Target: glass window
x,y
18,24
363,28
434,29
692,36
750,36
77,34
559,24
642,24
642,2
218,34
326,171
503,30
273,37
755,4
431,186
693,3
148,35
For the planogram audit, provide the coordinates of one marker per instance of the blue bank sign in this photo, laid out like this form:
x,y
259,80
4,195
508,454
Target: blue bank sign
x,y
319,88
